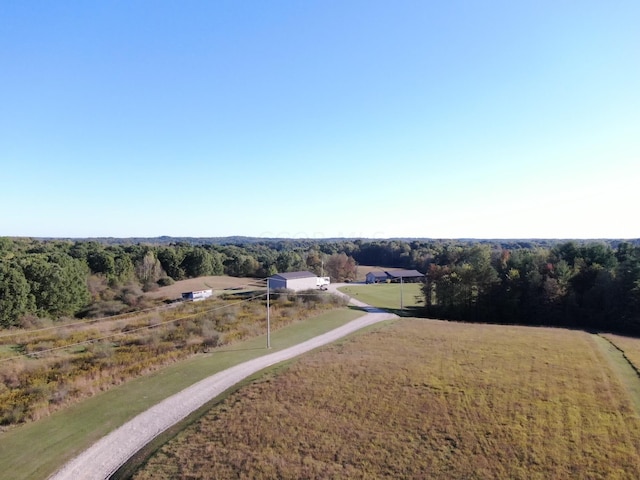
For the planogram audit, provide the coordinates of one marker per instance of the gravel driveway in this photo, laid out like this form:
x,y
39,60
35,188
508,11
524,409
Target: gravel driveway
x,y
104,457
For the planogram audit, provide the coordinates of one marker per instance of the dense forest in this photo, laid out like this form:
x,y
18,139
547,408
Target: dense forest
x,y
580,284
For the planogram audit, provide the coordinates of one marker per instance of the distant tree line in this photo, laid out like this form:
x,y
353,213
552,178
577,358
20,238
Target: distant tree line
x,y
62,278
576,284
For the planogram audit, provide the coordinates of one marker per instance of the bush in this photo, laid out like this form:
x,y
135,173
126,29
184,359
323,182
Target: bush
x,y
312,296
165,281
130,294
282,294
210,341
30,321
150,287
104,309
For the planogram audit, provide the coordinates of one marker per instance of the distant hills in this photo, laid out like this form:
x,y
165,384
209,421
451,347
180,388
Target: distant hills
x,y
247,240
507,243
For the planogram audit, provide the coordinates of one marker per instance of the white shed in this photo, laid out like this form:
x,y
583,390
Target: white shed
x,y
294,280
197,295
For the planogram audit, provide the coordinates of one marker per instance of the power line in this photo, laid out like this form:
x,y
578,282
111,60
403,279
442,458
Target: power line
x,y
102,320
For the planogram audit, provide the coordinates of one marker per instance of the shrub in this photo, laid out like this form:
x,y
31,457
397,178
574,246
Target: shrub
x,y
282,294
150,287
30,321
165,281
104,309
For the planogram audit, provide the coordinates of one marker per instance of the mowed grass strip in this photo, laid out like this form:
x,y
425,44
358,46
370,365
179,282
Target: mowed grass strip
x,y
36,450
624,353
629,345
387,295
422,399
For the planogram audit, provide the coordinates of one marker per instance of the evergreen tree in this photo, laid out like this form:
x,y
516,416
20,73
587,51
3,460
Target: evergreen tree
x,y
15,295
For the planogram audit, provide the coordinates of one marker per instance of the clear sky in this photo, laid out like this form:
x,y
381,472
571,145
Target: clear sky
x,y
332,118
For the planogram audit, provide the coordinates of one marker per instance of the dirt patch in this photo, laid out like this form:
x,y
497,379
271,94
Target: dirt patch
x,y
220,283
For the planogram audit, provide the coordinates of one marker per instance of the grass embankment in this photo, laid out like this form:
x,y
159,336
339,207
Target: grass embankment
x,y
422,399
388,296
629,345
37,449
624,353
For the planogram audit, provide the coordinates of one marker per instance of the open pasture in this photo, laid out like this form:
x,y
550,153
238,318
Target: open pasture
x,y
387,295
422,399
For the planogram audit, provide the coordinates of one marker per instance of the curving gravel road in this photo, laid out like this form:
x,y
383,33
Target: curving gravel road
x,y
103,458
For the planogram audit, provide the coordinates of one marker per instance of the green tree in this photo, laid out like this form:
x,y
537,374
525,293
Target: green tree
x,y
171,259
315,262
15,295
199,262
123,269
289,261
58,283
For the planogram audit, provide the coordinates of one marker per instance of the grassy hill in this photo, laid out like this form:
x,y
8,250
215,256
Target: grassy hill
x,y
424,399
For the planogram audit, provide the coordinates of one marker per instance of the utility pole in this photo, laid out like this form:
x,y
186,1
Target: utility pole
x,y
268,318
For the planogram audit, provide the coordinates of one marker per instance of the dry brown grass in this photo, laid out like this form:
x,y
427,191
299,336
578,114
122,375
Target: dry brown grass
x,y
44,370
221,282
422,399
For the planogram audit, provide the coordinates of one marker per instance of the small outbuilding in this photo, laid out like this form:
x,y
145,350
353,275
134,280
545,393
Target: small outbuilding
x,y
197,295
295,281
376,277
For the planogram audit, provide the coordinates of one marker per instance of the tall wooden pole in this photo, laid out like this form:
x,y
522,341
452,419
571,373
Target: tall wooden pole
x,y
268,318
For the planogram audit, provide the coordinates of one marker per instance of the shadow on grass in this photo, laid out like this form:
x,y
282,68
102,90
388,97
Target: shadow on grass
x,y
226,350
406,312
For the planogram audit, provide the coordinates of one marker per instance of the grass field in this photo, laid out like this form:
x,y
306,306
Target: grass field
x,y
423,399
388,295
37,449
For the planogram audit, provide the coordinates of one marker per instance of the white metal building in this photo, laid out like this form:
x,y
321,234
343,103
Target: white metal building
x,y
294,281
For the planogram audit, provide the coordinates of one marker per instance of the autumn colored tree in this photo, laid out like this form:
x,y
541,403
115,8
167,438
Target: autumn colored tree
x,y
341,268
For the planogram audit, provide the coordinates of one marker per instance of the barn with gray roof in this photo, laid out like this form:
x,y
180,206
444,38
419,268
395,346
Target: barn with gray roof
x,y
393,275
293,281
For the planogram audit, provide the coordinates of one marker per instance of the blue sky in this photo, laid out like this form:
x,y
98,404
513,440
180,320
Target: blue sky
x,y
492,119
